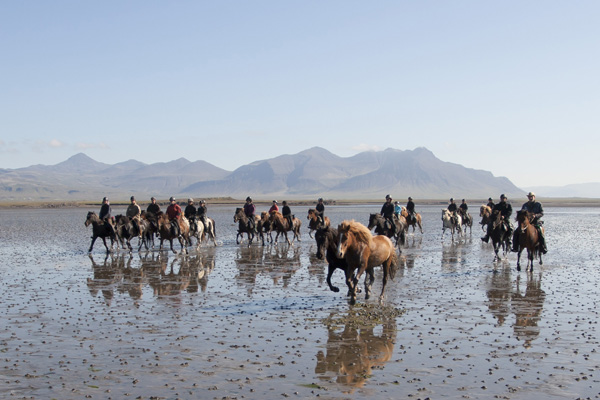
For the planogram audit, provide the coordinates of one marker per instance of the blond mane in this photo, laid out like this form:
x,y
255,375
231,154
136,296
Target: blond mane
x,y
362,233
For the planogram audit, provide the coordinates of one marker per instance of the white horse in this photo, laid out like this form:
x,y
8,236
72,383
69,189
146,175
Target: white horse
x,y
449,223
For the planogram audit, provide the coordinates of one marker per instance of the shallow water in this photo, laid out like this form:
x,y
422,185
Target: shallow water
x,y
260,322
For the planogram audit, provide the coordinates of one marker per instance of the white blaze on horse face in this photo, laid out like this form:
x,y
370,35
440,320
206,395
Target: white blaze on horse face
x,y
341,246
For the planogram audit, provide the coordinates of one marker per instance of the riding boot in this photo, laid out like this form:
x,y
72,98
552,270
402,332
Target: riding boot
x,y
515,242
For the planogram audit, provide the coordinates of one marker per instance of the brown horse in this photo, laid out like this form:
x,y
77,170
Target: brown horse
x,y
383,227
485,213
265,228
528,239
363,252
166,233
242,220
411,221
100,230
127,229
281,225
314,222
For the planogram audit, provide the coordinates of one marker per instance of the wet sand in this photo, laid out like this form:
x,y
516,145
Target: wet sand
x,y
260,322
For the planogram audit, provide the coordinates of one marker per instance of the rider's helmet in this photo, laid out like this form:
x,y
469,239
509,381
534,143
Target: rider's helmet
x,y
132,198
202,202
387,196
105,199
172,198
248,198
410,198
190,200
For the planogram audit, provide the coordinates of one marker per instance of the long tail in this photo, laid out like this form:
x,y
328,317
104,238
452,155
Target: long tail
x,y
393,265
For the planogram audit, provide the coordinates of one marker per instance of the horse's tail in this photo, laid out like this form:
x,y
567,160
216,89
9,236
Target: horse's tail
x,y
393,265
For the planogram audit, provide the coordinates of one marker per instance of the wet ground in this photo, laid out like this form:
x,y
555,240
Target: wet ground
x,y
259,322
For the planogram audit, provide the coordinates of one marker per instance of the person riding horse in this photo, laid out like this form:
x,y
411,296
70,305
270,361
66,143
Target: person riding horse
x,y
287,213
105,215
320,210
249,210
174,214
452,207
201,213
274,207
505,210
153,207
134,213
190,209
490,203
397,209
410,208
534,207
387,211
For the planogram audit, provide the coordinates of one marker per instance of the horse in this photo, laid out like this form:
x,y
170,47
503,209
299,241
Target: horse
x,y
100,230
411,221
242,220
196,230
151,226
381,226
467,220
362,251
327,242
314,222
528,238
282,226
166,233
485,213
209,229
449,223
265,228
499,235
127,230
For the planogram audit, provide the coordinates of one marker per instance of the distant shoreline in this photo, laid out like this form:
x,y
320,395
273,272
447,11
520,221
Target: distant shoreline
x,y
552,202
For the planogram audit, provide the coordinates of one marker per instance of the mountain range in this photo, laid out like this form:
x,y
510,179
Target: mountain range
x,y
308,174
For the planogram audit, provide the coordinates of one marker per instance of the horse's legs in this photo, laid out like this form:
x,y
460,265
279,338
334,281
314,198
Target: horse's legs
x,y
369,279
519,258
330,270
387,266
92,244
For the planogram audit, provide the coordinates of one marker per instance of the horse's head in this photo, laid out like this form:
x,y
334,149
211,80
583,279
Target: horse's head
x,y
404,212
91,217
343,239
373,219
312,214
239,213
524,217
323,237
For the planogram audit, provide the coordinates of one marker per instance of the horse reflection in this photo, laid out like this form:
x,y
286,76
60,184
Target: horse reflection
x,y
106,276
354,352
499,294
528,309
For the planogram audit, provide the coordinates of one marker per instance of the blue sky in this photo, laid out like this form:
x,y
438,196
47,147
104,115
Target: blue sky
x,y
510,87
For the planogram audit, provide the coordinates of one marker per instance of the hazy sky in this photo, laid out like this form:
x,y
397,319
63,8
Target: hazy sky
x,y
512,87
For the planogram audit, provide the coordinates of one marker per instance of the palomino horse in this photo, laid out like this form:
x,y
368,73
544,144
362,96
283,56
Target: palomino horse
x,y
327,242
363,252
314,222
382,227
528,238
485,213
411,221
166,233
499,235
449,223
281,225
99,230
467,220
242,220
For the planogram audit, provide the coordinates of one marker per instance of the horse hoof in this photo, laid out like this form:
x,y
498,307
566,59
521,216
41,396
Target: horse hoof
x,y
518,268
335,289
353,300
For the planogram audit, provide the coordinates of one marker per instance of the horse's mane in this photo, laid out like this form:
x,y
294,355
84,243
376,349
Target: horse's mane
x,y
362,233
122,218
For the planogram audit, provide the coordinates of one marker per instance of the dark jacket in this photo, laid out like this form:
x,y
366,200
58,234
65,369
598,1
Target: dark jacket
x,y
320,208
249,209
452,207
505,209
105,211
464,207
201,211
410,207
534,207
190,211
387,210
286,211
153,208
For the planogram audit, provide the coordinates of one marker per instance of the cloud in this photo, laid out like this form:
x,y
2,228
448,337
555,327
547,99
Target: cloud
x,y
85,146
56,143
366,147
42,145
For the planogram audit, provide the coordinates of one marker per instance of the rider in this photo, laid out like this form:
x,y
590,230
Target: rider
x,y
249,210
410,208
452,208
153,207
133,213
320,210
190,209
105,216
464,209
387,211
287,213
505,210
274,207
174,214
201,213
534,207
490,203
397,209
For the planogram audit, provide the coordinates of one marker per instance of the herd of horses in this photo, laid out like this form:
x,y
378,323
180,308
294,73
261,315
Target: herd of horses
x,y
351,247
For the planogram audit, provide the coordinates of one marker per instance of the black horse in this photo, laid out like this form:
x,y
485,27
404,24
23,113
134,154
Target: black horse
x,y
383,227
327,242
499,234
100,229
243,227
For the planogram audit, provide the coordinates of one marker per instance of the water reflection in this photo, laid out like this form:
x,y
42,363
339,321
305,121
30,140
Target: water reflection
x,y
527,307
453,255
279,262
353,351
124,273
